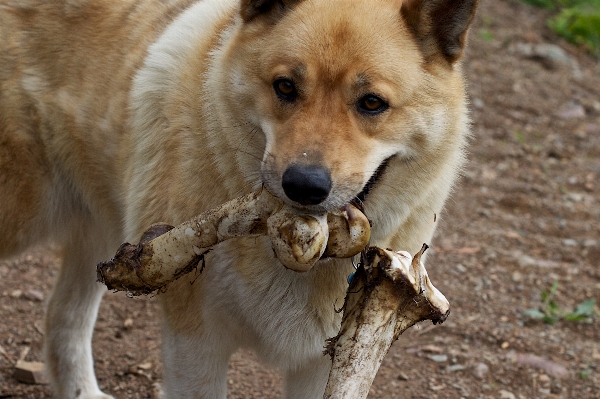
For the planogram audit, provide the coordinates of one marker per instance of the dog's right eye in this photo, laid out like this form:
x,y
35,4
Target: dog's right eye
x,y
285,89
371,105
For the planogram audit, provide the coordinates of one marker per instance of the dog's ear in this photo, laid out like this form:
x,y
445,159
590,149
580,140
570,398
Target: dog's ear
x,y
273,9
440,26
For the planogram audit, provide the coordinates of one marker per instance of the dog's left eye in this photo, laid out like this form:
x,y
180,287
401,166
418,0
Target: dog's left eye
x,y
371,105
285,89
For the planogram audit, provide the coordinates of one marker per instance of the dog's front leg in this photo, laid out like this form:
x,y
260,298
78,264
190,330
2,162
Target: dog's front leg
x,y
70,318
308,381
196,345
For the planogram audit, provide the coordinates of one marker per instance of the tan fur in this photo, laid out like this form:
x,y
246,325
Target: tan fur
x,y
117,115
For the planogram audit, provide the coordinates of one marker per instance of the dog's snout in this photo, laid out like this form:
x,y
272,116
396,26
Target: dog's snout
x,y
306,184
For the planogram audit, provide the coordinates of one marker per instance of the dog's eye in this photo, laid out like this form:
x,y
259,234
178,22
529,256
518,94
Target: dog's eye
x,y
371,105
285,89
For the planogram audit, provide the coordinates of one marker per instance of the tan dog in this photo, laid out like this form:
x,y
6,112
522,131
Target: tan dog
x,y
118,114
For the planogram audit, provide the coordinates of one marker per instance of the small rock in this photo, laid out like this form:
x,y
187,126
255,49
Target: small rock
x,y
525,260
145,366
552,52
436,388
575,197
569,242
34,295
402,376
550,367
30,372
128,323
589,242
549,55
517,277
438,358
480,370
571,110
478,103
16,294
506,394
455,367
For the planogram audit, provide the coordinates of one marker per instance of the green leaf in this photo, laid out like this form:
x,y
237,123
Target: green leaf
x,y
586,308
534,313
585,311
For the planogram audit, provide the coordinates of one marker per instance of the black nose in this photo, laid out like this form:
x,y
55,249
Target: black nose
x,y
306,184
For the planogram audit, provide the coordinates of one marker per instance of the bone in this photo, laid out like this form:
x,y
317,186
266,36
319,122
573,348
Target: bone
x,y
389,293
299,240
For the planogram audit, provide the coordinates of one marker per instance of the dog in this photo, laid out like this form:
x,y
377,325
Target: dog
x,y
115,115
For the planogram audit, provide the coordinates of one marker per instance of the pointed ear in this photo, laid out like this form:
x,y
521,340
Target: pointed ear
x,y
440,26
273,9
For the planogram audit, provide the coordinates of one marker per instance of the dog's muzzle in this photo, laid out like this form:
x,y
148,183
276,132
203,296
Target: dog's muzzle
x,y
306,184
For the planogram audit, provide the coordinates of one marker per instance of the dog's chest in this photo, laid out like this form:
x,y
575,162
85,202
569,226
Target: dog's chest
x,y
278,312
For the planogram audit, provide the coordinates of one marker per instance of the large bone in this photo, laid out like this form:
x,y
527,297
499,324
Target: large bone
x,y
389,293
299,240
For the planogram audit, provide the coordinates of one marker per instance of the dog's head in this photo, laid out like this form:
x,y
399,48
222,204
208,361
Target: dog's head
x,y
337,88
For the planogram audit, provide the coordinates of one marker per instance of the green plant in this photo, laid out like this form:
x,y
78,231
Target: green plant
x,y
579,24
585,373
541,3
486,35
550,312
576,20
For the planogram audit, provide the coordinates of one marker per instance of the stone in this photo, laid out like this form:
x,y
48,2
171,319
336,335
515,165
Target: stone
x,y
571,110
438,358
34,295
506,394
480,370
30,372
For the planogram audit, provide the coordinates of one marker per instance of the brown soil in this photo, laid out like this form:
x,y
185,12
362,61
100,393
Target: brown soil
x,y
524,215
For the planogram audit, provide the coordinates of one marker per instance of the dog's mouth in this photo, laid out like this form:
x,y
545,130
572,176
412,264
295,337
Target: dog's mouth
x,y
361,197
357,201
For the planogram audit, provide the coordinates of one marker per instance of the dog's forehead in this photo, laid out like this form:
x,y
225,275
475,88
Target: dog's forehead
x,y
368,36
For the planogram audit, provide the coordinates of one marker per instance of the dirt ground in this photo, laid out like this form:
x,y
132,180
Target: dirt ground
x,y
526,214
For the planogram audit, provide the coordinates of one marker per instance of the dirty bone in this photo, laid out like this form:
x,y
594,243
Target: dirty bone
x,y
389,293
299,240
